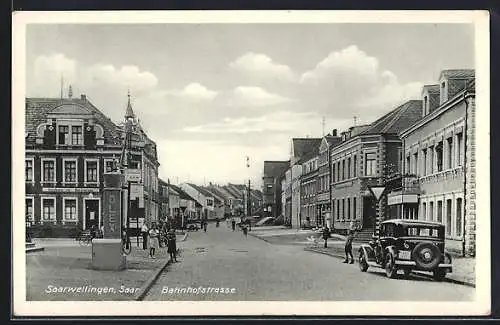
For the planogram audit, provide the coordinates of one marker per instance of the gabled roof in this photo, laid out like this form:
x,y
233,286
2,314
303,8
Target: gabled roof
x,y
310,155
234,191
457,74
398,119
303,146
214,194
200,189
36,110
183,195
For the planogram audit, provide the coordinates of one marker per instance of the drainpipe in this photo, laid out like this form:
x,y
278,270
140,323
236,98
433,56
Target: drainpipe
x,y
465,174
403,158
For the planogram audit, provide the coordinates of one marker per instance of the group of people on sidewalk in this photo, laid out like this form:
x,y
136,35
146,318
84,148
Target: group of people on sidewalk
x,y
244,225
351,233
156,236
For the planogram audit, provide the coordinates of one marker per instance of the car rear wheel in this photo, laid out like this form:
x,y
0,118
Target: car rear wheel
x,y
439,275
363,264
390,267
426,256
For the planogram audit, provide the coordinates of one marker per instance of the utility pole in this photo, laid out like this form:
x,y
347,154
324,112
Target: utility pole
x,y
248,190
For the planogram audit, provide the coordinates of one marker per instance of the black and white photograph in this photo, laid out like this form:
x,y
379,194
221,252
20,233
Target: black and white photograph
x,y
251,163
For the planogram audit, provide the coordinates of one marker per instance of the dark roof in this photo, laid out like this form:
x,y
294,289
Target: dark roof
x,y
412,222
471,85
216,190
333,141
432,89
37,109
182,195
303,146
275,168
398,119
213,193
458,73
313,153
201,190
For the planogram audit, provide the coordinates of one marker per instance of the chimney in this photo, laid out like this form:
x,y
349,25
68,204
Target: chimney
x,y
334,132
83,97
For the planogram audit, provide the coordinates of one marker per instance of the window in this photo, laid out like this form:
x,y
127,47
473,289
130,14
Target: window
x,y
448,217
108,165
76,135
424,211
348,167
431,159
48,209
424,162
70,171
458,218
354,207
439,156
49,170
91,173
349,208
370,164
70,210
29,170
443,92
343,169
354,172
29,209
338,171
440,211
333,172
343,209
408,165
431,211
63,134
426,105
460,156
449,153
415,163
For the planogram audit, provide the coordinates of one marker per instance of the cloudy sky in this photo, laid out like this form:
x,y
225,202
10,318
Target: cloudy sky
x,y
212,94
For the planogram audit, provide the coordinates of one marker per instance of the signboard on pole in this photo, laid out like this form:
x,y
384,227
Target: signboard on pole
x,y
111,213
133,175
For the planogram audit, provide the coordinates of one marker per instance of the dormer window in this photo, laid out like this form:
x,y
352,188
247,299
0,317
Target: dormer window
x,y
63,134
443,94
70,135
76,135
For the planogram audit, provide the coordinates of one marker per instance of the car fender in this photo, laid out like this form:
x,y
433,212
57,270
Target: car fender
x,y
368,251
391,250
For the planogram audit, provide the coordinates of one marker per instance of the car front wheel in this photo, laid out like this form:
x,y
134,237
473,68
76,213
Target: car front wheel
x,y
439,275
363,264
390,267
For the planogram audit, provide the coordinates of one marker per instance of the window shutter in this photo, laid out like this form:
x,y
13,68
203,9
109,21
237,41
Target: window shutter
x,y
49,140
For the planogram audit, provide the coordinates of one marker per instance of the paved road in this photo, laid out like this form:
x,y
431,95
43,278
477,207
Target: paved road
x,y
258,270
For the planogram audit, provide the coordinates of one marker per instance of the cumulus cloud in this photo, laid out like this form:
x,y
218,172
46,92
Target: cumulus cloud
x,y
47,73
125,76
351,82
262,65
255,96
195,91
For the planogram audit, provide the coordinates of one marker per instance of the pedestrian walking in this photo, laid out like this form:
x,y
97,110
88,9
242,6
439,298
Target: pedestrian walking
x,y
144,232
233,224
326,235
153,240
172,245
245,230
205,225
351,232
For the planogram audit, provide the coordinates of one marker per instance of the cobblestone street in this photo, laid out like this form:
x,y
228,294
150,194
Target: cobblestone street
x,y
259,270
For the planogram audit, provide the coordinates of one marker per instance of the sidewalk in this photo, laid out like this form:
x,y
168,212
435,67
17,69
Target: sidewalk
x,y
463,268
63,272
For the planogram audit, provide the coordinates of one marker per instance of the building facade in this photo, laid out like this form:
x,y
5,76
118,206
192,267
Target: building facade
x,y
439,157
271,186
361,163
308,191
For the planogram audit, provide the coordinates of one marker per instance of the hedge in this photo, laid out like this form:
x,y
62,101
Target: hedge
x,y
54,231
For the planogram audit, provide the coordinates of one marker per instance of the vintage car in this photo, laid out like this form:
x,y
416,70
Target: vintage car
x,y
407,245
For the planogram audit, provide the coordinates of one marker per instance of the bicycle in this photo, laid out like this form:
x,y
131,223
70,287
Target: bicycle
x,y
126,245
85,239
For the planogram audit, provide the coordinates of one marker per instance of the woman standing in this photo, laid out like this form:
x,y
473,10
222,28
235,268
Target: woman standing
x,y
172,245
153,240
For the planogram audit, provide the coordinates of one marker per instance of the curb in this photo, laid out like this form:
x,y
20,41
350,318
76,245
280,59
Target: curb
x,y
451,280
261,238
149,283
34,249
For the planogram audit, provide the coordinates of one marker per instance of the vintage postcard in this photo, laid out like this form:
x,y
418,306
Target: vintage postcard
x,y
251,163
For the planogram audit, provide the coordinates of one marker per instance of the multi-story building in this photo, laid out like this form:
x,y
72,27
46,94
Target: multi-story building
x,y
203,197
189,207
308,189
69,145
438,181
271,186
323,200
300,148
361,162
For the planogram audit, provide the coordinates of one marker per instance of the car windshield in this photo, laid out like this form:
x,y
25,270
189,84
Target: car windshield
x,y
423,232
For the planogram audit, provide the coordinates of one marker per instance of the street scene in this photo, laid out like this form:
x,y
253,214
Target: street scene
x,y
250,162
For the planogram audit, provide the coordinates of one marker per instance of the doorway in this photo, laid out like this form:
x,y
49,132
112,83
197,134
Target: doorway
x,y
91,213
369,212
